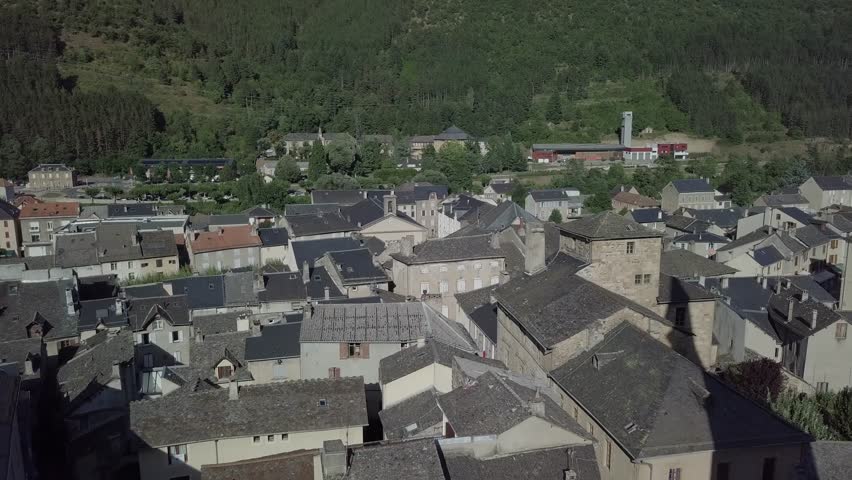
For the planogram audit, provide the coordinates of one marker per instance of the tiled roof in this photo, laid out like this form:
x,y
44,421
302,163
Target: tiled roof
x,y
413,417
607,225
685,264
217,323
783,199
76,250
692,185
273,237
224,238
635,199
90,369
173,309
451,249
675,290
185,417
657,403
22,303
703,237
410,460
50,209
296,465
274,342
539,464
131,210
477,305
310,208
413,358
307,225
205,355
752,237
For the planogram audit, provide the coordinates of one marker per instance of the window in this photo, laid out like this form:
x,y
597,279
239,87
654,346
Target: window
x,y
840,330
680,316
592,429
145,339
159,263
833,244
445,286
723,471
113,266
637,279
334,372
148,361
158,324
424,287
354,349
285,436
144,265
131,276
177,336
50,225
822,387
35,227
322,402
224,371
177,454
270,438
256,439
646,279
674,474
130,264
460,285
477,266
35,238
769,468
176,356
171,262
631,247
477,283
495,280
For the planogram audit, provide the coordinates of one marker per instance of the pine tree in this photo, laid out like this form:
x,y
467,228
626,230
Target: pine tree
x,y
317,163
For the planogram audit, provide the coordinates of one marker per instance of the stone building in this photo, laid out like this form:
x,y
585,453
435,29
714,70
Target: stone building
x,y
40,220
51,176
694,193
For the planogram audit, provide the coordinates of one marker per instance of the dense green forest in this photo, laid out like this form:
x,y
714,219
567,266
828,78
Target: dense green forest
x,y
102,82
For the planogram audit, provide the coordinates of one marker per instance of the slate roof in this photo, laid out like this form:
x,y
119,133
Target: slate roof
x,y
368,211
275,341
451,249
381,323
477,305
453,133
413,358
207,291
411,460
310,250
8,211
541,464
828,460
783,199
289,286
607,225
837,182
173,309
564,194
94,312
815,235
647,215
293,209
502,188
217,323
685,264
725,218
306,225
687,224
208,353
692,185
767,256
797,214
131,210
91,367
503,215
556,304
296,465
356,267
656,402
184,417
239,288
704,237
675,290
22,303
412,416
259,212
635,199
411,193
18,351
752,237
50,209
803,314
493,404
76,250
339,197
228,220
273,237
146,291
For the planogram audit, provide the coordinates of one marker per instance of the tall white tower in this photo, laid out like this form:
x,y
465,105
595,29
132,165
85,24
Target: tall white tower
x,y
626,128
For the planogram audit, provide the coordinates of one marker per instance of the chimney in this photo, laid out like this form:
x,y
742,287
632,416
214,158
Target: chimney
x,y
764,282
116,370
504,278
69,302
28,366
309,311
724,282
791,304
119,306
406,246
495,241
659,214
134,238
199,336
535,251
777,286
702,280
327,293
537,404
758,279
333,459
233,390
805,296
306,273
168,288
814,315
253,230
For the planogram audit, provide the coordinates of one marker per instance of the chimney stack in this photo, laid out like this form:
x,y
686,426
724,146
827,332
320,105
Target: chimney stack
x,y
221,231
764,282
535,250
327,292
28,366
233,390
199,336
406,246
306,273
791,304
805,296
724,282
537,405
119,306
116,370
495,241
702,280
69,302
333,459
814,315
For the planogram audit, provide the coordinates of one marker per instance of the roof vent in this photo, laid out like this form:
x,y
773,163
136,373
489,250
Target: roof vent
x,y
322,402
631,427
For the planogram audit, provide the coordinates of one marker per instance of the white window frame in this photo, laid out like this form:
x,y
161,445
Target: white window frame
x,y
422,289
179,336
444,286
461,285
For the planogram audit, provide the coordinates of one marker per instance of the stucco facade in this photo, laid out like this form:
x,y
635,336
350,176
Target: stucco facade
x,y
318,358
162,348
672,199
37,234
819,198
10,235
275,370
226,259
829,358
435,376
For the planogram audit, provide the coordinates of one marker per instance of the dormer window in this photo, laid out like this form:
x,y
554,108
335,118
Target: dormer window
x,y
224,371
158,324
322,402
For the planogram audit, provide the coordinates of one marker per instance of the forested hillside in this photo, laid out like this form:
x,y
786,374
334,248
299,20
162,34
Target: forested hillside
x,y
224,73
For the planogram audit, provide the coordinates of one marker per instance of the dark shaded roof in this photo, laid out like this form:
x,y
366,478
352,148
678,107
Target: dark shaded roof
x,y
296,465
834,182
477,305
413,358
24,303
310,250
675,290
453,133
797,214
90,369
451,249
702,237
502,188
185,417
368,211
751,237
803,324
783,199
726,218
216,162
201,291
411,193
655,402
607,225
8,211
685,264
828,460
275,341
217,323
686,224
18,351
412,416
539,464
647,215
356,267
339,197
76,250
273,237
767,256
158,243
411,460
815,235
503,215
206,354
556,304
131,210
173,309
146,291
94,312
692,185
305,225
293,209
556,194
239,288
494,403
635,199
228,219
290,286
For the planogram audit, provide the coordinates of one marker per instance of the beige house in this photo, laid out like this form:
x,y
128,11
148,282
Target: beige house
x,y
51,176
162,329
384,221
275,245
542,203
696,427
224,248
422,202
823,192
10,228
180,432
692,193
40,220
274,355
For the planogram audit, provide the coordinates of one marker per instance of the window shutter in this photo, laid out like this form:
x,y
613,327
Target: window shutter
x,y
344,351
331,372
365,350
